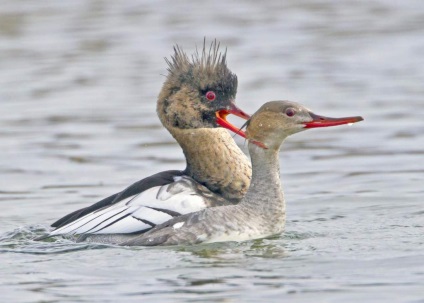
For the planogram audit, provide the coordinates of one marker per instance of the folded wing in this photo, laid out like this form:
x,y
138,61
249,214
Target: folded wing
x,y
139,208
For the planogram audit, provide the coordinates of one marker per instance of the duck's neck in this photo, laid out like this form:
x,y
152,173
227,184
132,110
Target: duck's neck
x,y
215,160
265,196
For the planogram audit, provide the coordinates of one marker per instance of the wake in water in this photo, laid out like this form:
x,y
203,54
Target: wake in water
x,y
21,240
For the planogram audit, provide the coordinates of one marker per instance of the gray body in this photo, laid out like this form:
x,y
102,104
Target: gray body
x,y
260,214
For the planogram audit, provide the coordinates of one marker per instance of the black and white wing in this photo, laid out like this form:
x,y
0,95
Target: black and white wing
x,y
140,207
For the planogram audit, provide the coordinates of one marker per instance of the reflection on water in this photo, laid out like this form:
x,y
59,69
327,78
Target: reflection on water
x,y
78,86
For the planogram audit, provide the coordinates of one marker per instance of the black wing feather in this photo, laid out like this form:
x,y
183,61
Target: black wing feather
x,y
159,179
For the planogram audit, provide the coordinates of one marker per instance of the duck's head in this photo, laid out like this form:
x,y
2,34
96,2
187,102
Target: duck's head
x,y
199,92
276,120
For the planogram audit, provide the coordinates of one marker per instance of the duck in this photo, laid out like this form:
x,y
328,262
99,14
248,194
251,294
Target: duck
x,y
195,99
262,211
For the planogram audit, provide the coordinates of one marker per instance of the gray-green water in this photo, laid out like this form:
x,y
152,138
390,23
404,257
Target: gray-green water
x,y
78,86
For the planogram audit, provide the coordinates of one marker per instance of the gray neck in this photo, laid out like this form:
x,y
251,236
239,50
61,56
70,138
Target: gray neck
x,y
265,195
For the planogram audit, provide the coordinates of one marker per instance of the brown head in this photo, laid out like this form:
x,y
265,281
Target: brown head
x,y
199,92
276,120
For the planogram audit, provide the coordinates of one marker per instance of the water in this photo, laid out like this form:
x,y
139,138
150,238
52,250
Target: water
x,y
78,86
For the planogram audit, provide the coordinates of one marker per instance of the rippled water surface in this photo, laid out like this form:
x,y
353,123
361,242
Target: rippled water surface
x,y
78,86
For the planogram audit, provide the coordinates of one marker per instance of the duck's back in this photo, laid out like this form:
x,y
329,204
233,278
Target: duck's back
x,y
140,207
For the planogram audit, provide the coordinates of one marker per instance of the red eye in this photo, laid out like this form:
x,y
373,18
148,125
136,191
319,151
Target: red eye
x,y
290,112
210,95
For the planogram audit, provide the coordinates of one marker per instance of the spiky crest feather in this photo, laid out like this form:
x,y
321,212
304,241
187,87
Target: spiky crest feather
x,y
210,60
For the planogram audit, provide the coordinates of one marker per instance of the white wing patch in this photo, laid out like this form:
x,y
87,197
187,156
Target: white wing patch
x,y
140,212
178,225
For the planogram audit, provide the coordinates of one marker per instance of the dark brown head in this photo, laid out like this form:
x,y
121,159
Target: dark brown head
x,y
199,91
